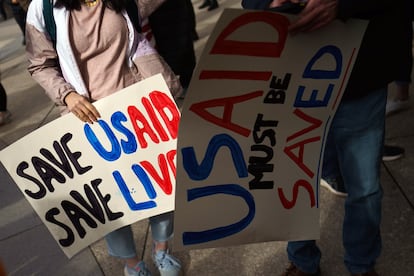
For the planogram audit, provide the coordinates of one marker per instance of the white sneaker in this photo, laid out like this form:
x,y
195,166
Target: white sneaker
x,y
394,106
167,264
140,269
332,189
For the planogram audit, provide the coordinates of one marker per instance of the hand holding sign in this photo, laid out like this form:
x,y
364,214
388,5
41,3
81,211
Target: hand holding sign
x,y
85,181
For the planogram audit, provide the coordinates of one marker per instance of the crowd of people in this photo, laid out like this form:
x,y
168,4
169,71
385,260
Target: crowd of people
x,y
357,129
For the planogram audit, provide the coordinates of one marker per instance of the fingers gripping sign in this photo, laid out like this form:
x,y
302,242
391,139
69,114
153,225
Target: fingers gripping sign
x,y
315,15
82,108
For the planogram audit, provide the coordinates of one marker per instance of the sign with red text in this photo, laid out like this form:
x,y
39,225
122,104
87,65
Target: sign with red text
x,y
86,180
253,125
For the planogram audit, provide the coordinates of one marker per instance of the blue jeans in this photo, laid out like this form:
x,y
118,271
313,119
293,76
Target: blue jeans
x,y
121,243
356,137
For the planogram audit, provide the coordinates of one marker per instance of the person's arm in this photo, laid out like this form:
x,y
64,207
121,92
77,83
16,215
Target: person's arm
x,y
147,7
318,13
44,68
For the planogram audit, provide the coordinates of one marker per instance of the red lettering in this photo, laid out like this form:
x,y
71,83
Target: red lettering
x,y
315,123
228,104
153,117
171,160
300,183
247,48
165,181
162,102
135,115
299,158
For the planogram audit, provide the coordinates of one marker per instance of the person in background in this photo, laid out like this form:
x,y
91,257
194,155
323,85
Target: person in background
x,y
19,14
211,4
3,10
172,26
400,101
99,52
356,136
5,115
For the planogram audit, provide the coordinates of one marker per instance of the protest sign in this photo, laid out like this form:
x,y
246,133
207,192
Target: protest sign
x,y
86,180
253,124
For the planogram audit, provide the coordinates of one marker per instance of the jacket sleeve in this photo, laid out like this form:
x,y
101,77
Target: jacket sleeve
x,y
363,9
43,63
149,63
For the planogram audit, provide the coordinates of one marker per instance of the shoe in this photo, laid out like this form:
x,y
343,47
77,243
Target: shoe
x,y
395,106
5,117
292,270
369,273
205,4
334,187
167,264
391,153
139,270
213,5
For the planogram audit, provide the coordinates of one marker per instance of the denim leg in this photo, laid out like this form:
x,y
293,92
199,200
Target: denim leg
x,y
305,255
121,243
162,226
358,130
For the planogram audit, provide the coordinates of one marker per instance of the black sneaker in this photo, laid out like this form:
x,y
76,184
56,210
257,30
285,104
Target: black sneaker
x,y
391,153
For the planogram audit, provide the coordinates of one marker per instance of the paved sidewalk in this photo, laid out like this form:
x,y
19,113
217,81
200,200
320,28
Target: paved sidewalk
x,y
27,248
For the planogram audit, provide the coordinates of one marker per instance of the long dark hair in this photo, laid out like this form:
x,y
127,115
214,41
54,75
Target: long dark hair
x,y
116,5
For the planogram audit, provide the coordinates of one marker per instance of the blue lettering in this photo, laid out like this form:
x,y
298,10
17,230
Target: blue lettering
x,y
129,146
143,177
313,101
224,231
309,73
202,171
115,152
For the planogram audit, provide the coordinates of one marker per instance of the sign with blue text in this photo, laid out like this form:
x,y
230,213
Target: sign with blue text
x,y
86,180
253,125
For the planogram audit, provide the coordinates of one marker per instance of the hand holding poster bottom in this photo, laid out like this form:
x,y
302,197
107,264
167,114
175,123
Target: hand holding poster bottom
x,y
88,180
254,121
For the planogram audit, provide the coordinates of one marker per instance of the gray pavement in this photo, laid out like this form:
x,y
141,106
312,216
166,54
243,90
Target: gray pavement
x,y
27,248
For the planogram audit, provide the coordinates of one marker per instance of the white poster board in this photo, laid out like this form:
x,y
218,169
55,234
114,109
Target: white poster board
x,y
86,180
253,124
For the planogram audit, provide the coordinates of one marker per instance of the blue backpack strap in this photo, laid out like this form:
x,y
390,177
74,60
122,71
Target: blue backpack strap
x,y
49,20
133,13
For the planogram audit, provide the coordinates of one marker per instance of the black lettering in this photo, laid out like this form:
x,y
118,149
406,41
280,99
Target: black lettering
x,y
64,164
47,173
75,214
50,217
73,156
277,93
257,171
94,207
20,172
259,123
104,200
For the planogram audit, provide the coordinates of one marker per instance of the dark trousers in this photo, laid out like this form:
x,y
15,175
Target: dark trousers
x,y
3,98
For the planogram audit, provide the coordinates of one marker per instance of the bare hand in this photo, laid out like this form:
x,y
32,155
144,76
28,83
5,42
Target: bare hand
x,y
82,108
315,15
278,3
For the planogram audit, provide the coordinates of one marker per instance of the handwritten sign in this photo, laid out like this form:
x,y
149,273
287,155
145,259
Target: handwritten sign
x,y
252,129
86,180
